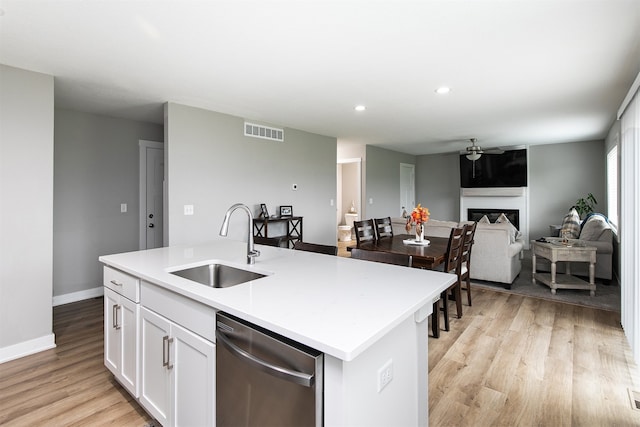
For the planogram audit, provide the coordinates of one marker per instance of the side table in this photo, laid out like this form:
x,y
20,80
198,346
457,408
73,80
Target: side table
x,y
556,251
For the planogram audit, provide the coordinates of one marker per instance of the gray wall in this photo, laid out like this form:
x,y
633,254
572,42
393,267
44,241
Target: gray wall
x,y
211,165
559,174
96,169
383,182
438,185
26,211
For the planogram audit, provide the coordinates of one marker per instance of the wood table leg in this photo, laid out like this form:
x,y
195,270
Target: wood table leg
x,y
533,266
553,278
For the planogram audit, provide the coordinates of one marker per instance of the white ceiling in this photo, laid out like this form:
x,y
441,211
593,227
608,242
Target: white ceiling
x,y
520,71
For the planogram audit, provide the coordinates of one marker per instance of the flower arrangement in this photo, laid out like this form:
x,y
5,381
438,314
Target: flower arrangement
x,y
418,217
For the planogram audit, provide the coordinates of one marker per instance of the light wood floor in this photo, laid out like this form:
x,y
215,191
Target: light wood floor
x,y
67,385
510,360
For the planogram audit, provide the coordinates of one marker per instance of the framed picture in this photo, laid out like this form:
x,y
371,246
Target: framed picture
x,y
286,210
263,211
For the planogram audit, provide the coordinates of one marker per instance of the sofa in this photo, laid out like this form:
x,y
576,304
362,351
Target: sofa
x,y
496,254
596,231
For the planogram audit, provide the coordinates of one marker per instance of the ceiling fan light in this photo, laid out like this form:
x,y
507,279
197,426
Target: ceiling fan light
x,y
473,156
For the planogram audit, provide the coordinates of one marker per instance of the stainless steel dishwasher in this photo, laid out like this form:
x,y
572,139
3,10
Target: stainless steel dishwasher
x,y
264,379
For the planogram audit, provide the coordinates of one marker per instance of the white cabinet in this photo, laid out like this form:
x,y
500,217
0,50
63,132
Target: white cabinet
x,y
121,333
177,373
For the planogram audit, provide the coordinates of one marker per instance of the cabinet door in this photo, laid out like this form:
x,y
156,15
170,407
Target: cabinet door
x,y
193,381
111,331
155,370
129,359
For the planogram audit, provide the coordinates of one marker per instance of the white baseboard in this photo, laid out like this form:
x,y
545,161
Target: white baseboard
x,y
78,296
26,348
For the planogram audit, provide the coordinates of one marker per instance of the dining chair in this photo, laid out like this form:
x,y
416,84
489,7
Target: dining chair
x,y
315,247
384,257
465,269
384,230
365,231
453,264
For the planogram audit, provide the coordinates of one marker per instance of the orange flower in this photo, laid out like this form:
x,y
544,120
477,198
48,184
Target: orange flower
x,y
419,215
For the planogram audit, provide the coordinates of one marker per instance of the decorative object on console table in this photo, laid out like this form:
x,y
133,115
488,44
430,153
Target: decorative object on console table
x,y
263,211
286,211
419,217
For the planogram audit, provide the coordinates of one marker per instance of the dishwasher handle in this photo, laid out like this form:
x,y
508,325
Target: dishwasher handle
x,y
296,377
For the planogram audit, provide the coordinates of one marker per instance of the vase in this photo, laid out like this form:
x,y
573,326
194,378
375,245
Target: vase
x,y
419,233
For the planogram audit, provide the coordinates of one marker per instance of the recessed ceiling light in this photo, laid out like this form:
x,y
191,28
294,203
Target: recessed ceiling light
x,y
442,90
360,108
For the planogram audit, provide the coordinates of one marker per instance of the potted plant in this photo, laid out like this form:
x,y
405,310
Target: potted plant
x,y
585,205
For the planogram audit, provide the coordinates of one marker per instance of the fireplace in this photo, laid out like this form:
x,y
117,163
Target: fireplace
x,y
513,215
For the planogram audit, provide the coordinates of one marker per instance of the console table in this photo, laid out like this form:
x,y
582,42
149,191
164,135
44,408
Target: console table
x,y
292,234
556,251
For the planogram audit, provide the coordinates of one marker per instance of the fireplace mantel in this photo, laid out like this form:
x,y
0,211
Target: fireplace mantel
x,y
493,192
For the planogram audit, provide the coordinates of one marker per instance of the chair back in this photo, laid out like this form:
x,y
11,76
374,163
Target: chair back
x,y
383,228
452,263
467,244
315,247
365,231
384,257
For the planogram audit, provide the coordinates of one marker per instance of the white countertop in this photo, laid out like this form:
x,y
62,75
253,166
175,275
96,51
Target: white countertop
x,y
337,305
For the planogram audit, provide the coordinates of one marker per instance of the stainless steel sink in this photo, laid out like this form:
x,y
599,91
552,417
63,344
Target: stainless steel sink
x,y
218,275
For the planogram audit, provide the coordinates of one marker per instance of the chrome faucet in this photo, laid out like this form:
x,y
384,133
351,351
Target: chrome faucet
x,y
252,253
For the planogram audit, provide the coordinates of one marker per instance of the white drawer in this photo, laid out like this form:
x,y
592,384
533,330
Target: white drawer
x,y
122,283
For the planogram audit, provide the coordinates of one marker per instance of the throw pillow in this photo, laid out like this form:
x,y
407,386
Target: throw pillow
x,y
571,225
593,227
484,220
502,219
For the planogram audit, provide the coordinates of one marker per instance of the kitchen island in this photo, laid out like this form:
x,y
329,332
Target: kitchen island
x,y
360,314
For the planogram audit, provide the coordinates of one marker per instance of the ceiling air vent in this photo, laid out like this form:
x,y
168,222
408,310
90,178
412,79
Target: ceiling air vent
x,y
264,132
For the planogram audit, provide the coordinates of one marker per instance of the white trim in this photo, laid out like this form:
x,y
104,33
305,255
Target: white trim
x,y
627,99
78,296
493,192
352,160
26,348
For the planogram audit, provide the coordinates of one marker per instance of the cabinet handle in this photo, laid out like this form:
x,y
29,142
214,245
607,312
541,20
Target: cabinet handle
x,y
116,283
166,342
114,315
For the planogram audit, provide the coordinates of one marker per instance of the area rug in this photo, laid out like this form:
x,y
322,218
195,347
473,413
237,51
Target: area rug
x,y
607,297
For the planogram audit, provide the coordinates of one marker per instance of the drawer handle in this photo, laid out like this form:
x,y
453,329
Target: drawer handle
x,y
116,283
166,342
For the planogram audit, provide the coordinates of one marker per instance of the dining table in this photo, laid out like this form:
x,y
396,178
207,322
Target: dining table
x,y
428,255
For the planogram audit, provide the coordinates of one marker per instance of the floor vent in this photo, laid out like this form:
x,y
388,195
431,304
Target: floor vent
x,y
634,396
264,132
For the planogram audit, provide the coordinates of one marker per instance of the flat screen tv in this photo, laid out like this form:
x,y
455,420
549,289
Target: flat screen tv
x,y
508,169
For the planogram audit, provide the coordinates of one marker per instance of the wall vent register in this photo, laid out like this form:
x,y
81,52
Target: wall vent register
x,y
264,132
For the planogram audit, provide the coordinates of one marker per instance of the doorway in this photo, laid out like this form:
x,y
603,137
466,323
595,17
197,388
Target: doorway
x,y
407,187
151,194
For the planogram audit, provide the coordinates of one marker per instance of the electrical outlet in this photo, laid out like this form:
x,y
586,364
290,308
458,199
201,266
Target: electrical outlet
x,y
385,375
188,209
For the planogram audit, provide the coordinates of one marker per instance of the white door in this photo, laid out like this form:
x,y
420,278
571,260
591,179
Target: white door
x,y
193,381
407,187
155,365
112,333
151,194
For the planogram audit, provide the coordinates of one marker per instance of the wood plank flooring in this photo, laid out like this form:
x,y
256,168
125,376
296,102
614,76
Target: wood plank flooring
x,y
510,360
67,385
518,361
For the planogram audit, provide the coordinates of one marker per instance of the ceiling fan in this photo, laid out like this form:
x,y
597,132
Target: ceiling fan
x,y
474,151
